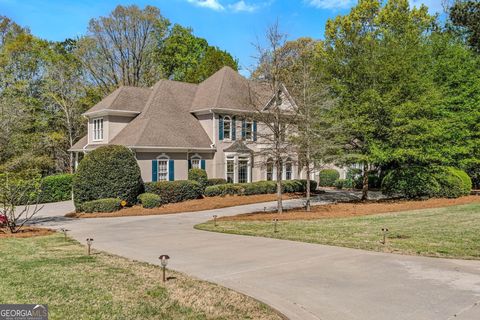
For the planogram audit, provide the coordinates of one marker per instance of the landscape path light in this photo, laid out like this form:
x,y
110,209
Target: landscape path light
x,y
384,231
275,221
215,220
164,262
64,231
89,245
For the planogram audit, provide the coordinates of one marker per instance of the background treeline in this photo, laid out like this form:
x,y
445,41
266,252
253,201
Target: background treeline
x,y
45,86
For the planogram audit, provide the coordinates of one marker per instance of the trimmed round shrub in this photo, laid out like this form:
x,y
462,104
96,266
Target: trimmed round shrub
x,y
108,172
467,182
224,189
150,200
328,177
198,175
411,182
340,183
102,205
175,191
291,186
56,188
425,182
215,181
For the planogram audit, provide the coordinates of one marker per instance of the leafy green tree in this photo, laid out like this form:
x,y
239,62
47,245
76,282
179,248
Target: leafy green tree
x,y
185,57
465,14
374,59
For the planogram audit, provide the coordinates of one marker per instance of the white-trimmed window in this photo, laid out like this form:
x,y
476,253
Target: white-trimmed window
x,y
163,169
269,169
288,169
195,162
230,170
227,128
248,129
98,129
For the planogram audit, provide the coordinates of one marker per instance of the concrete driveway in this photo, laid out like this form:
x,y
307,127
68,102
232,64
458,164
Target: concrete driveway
x,y
301,280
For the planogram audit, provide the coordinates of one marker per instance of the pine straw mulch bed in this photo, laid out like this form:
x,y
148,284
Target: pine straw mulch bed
x,y
26,232
339,210
207,203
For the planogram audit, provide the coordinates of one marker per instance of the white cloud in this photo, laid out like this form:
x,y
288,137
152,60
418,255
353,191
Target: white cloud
x,y
210,4
331,4
242,6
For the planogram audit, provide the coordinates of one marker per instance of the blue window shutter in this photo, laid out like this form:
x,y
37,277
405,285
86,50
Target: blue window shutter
x,y
154,170
220,127
244,128
234,128
171,170
202,164
254,130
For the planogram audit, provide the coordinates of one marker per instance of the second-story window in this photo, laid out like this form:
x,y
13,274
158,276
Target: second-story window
x,y
227,128
248,129
98,129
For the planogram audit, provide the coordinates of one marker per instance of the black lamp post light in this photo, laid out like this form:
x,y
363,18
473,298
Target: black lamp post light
x,y
89,245
164,262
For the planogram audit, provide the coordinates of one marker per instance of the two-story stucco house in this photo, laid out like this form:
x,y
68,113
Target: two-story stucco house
x,y
174,126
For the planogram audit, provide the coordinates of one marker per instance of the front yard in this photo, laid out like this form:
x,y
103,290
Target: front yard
x,y
51,270
452,232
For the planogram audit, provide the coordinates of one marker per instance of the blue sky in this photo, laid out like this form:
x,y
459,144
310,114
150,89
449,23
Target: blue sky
x,y
232,25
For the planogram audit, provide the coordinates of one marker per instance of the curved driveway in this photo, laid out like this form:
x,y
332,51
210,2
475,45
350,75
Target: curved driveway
x,y
301,280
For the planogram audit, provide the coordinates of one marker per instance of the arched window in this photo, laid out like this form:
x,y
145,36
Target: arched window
x,y
163,168
288,169
269,169
227,128
195,162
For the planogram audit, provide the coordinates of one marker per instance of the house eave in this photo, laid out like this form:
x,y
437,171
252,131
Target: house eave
x,y
111,112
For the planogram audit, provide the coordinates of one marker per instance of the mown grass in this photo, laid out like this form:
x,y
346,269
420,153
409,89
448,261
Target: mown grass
x,y
452,232
51,270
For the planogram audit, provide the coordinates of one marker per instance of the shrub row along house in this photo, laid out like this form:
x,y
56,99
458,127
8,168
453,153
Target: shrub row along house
x,y
175,126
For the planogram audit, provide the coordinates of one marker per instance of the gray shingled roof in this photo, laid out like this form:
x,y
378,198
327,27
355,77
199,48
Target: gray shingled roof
x,y
239,147
166,118
227,89
125,99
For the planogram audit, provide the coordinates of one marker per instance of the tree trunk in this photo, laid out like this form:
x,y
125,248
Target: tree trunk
x,y
307,205
365,182
279,189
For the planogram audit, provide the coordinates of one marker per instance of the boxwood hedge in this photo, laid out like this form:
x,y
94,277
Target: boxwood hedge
x,y
328,177
56,188
175,191
101,205
150,200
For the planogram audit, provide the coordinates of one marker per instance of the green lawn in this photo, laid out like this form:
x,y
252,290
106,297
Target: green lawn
x,y
452,232
75,286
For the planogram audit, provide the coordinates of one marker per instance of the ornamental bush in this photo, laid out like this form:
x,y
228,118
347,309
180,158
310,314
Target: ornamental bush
x,y
175,191
224,189
259,187
56,188
215,181
107,172
426,182
411,182
340,183
150,200
198,175
101,205
328,177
